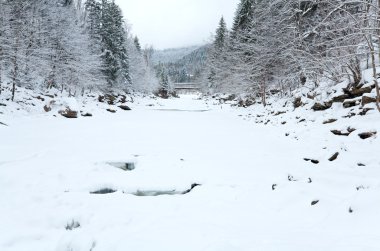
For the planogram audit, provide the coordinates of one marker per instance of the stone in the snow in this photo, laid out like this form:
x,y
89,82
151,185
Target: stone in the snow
x,y
321,107
329,121
70,114
368,100
125,108
315,202
366,135
334,157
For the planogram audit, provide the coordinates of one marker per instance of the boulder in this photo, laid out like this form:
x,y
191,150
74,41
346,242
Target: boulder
x,y
340,133
329,121
125,108
334,157
69,114
297,102
321,107
123,99
86,114
110,99
366,135
311,95
111,110
340,98
364,111
367,100
315,202
48,106
247,102
359,92
350,103
314,161
101,98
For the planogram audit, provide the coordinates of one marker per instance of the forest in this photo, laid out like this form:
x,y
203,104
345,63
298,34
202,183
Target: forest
x,y
70,45
263,137
75,45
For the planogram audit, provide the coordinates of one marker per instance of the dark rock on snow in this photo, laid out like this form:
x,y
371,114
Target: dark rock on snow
x,y
312,160
330,121
366,135
125,108
334,157
86,114
365,111
69,114
340,133
367,100
315,202
321,107
350,103
297,102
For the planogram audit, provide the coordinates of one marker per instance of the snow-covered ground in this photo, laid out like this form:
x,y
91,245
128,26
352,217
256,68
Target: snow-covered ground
x,y
256,190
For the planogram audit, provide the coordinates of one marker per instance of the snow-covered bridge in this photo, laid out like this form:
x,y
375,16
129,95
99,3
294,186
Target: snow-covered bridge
x,y
185,88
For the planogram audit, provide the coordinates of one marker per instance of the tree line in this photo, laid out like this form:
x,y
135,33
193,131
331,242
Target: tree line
x,y
70,45
285,43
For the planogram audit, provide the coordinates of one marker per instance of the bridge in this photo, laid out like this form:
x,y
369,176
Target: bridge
x,y
187,88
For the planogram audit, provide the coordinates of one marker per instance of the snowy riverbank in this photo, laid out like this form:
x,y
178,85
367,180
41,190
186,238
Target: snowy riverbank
x,y
256,190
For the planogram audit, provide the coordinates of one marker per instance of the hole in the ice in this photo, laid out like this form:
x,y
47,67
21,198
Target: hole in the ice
x,y
104,191
126,166
143,193
72,225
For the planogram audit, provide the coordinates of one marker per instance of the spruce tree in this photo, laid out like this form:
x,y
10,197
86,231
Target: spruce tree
x,y
137,44
93,19
221,35
243,17
163,77
114,51
217,55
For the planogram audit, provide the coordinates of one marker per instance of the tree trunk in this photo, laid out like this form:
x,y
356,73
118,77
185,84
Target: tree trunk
x,y
263,94
374,73
15,68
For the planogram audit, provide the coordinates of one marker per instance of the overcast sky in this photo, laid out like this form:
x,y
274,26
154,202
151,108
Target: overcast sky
x,y
176,23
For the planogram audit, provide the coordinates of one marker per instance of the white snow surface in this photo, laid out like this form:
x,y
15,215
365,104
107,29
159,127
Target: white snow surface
x,y
50,165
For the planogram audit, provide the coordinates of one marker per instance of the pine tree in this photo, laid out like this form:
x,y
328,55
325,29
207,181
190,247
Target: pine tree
x,y
243,17
163,77
114,52
217,56
93,18
221,35
137,44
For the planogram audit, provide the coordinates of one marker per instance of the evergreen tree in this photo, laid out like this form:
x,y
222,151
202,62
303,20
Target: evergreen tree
x,y
163,77
243,17
93,18
217,56
221,35
114,52
137,44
